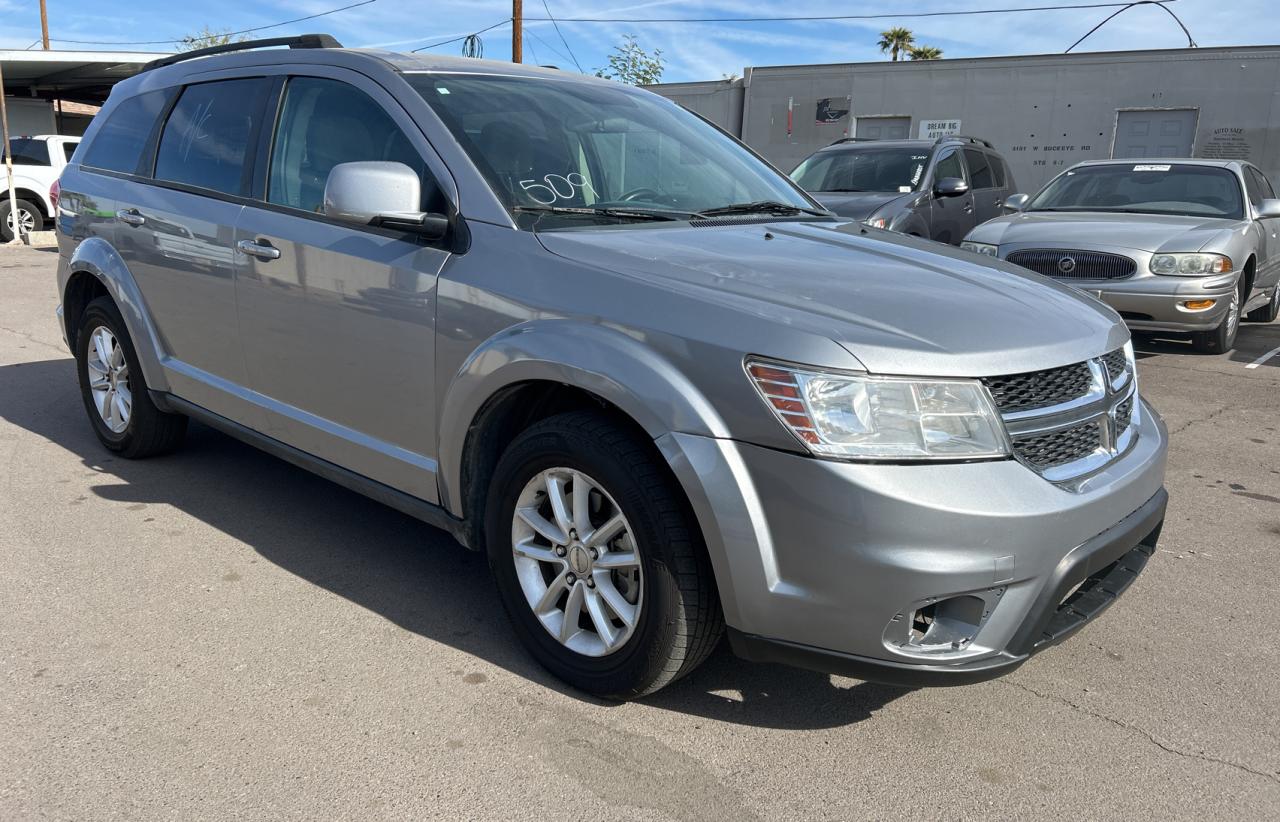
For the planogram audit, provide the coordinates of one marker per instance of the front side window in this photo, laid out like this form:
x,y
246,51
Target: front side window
x,y
949,166
1257,186
1145,188
998,170
556,144
326,122
207,138
118,145
863,169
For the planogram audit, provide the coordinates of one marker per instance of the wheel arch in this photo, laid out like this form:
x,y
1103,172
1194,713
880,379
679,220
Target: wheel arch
x,y
23,192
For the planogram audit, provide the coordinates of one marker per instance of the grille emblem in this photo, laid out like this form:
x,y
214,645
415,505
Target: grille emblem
x,y
1067,264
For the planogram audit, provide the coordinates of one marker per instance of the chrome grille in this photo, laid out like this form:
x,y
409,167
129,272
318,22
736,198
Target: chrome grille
x,y
1040,389
1069,264
1071,421
1060,447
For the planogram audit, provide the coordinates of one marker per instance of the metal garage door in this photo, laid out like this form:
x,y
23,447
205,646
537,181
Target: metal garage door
x,y
883,128
1168,133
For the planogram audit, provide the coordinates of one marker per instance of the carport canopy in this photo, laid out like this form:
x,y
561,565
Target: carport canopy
x,y
80,76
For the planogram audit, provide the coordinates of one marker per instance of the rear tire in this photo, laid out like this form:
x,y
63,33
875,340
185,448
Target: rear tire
x,y
114,390
1223,338
27,211
676,619
1268,312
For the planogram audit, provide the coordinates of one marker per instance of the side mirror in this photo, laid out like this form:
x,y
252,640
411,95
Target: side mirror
x,y
1268,208
950,187
380,193
1016,202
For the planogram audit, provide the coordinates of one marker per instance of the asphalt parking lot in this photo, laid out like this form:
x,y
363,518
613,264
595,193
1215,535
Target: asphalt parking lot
x,y
218,634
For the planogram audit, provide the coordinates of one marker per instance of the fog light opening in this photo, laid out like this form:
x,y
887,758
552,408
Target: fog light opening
x,y
948,624
1198,305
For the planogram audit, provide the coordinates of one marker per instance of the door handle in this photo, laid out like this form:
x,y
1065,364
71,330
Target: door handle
x,y
130,216
262,250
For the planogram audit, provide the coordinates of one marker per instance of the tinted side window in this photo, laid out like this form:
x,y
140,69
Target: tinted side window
x,y
997,171
29,152
1251,187
979,169
69,149
119,144
208,138
326,122
949,166
1264,185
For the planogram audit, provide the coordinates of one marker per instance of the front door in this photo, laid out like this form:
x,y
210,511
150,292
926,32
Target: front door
x,y
950,218
987,196
176,236
1267,267
338,320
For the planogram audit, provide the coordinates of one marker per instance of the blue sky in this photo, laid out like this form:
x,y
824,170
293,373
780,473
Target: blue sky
x,y
693,51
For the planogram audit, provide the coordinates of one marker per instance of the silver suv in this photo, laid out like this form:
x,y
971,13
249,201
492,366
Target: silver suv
x,y
595,337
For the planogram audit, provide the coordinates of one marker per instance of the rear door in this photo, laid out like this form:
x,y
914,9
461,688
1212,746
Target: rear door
x,y
950,218
176,235
987,195
338,320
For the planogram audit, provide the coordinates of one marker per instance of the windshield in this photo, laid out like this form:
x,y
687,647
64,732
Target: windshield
x,y
864,169
1145,188
563,152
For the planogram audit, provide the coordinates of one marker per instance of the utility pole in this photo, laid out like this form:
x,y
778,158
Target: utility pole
x,y
44,25
517,31
19,230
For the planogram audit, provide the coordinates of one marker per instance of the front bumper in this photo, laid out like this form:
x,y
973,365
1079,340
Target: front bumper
x,y
1158,303
821,564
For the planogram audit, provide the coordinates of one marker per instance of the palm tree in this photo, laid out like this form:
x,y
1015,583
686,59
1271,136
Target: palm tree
x,y
896,40
924,53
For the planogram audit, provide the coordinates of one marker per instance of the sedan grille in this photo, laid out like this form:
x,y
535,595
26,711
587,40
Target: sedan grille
x,y
1068,264
1040,389
1060,447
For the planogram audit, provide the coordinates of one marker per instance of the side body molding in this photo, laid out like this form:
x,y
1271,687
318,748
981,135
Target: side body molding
x,y
96,256
604,360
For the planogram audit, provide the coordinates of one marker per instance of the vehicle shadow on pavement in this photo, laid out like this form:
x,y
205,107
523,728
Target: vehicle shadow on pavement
x,y
377,558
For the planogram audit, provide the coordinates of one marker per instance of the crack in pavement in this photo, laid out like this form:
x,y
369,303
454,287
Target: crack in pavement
x,y
30,338
1144,733
1206,418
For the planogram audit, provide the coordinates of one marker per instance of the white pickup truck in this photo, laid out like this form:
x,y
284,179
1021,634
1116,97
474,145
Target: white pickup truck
x,y
37,164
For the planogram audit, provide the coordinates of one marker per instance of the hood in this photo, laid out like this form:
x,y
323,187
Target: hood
x,y
1088,229
858,205
900,304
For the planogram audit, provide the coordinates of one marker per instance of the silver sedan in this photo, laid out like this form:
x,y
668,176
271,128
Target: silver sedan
x,y
1188,246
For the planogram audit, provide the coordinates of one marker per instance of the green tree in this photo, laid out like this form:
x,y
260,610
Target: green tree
x,y
924,53
208,37
633,65
896,41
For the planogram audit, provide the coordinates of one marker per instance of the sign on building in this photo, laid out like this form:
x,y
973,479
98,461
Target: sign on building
x,y
933,129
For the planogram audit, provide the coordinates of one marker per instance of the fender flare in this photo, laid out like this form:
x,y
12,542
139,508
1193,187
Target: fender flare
x,y
604,361
96,256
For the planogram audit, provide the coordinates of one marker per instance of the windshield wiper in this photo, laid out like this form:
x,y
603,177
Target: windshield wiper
x,y
623,213
761,207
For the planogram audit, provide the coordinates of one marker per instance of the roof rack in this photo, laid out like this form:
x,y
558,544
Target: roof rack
x,y
300,41
964,138
852,140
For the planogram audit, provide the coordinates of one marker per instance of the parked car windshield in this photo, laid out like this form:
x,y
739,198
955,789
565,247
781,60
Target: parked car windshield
x,y
1145,188
562,153
863,169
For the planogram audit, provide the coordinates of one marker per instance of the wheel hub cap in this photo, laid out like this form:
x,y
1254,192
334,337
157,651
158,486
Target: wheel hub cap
x,y
577,562
109,379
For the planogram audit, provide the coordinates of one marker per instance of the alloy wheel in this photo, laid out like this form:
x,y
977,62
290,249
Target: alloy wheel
x,y
109,379
28,220
1233,313
577,561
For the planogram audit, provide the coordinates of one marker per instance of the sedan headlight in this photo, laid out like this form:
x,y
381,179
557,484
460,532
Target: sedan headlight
x,y
1190,265
981,248
858,416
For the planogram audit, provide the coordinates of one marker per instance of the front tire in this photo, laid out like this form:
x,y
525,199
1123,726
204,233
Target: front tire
x,y
1223,338
114,390
597,558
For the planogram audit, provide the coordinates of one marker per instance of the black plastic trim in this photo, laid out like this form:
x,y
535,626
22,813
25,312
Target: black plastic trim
x,y
1113,559
300,41
429,513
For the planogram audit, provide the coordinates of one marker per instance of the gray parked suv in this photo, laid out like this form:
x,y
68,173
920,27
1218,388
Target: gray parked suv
x,y
938,189
594,336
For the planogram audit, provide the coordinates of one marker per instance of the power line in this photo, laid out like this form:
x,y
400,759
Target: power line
x,y
572,56
823,17
550,47
463,37
1112,16
226,34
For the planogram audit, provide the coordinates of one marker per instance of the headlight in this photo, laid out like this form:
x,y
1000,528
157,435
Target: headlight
x,y
882,418
877,222
980,248
1190,265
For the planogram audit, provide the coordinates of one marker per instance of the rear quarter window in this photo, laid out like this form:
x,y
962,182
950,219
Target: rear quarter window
x,y
119,144
27,151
